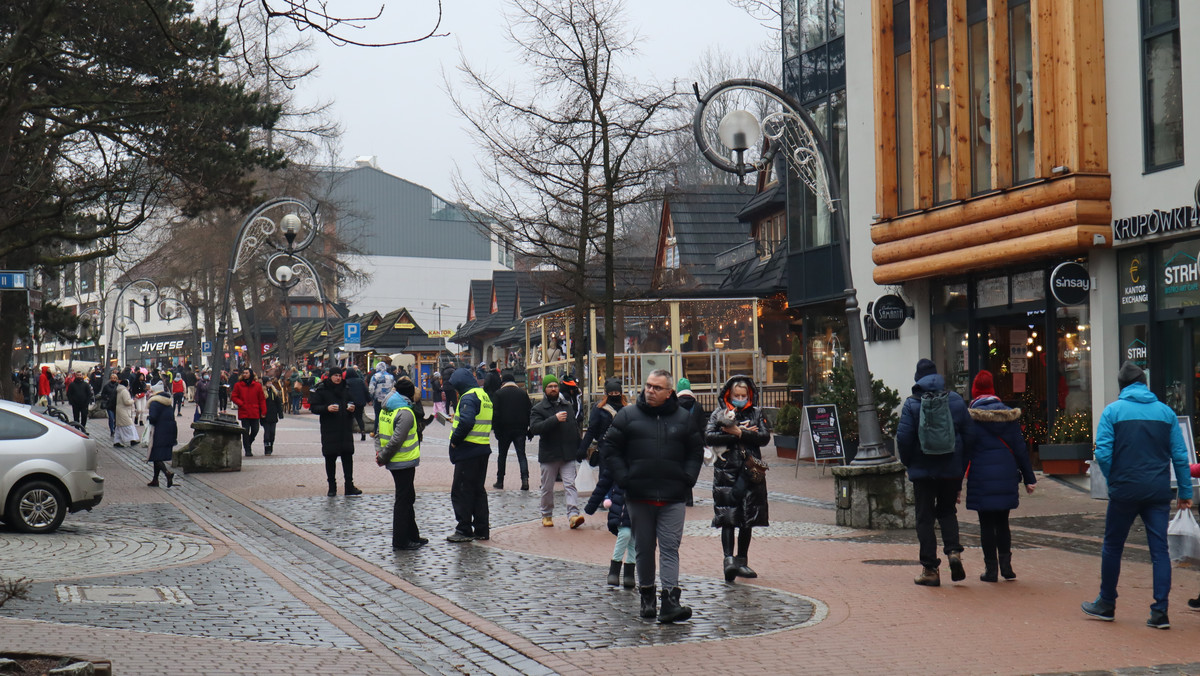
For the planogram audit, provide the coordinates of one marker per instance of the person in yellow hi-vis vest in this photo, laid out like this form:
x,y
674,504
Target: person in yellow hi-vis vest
x,y
398,448
470,446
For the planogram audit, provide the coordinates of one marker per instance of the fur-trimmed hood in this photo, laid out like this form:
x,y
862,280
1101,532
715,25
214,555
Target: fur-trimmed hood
x,y
994,415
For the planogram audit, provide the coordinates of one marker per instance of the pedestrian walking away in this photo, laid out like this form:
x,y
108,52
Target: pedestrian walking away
x,y
126,432
251,404
331,402
933,425
655,455
553,421
359,395
164,434
108,399
997,464
1138,441
737,430
470,447
511,425
398,449
273,414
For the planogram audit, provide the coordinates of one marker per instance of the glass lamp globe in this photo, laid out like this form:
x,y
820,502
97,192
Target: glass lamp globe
x,y
739,130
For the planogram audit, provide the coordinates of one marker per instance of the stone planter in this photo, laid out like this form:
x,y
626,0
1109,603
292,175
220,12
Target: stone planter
x,y
1065,458
785,446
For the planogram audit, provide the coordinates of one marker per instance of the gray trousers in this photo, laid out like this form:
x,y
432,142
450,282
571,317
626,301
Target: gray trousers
x,y
662,527
550,471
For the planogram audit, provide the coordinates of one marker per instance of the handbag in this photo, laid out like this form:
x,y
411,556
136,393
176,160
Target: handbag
x,y
585,478
755,469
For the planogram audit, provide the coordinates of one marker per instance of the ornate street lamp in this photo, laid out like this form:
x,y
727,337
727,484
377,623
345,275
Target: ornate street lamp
x,y
793,131
149,293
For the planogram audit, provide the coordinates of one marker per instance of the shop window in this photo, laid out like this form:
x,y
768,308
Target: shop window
x,y
827,347
1162,84
981,117
951,353
1029,286
950,298
904,103
1020,29
991,292
939,61
772,233
774,327
1178,277
1074,359
712,325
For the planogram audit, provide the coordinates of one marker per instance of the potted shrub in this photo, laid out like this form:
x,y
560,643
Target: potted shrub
x,y
1070,444
841,393
787,429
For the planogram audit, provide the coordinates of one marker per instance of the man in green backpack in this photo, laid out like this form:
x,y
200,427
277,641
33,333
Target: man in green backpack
x,y
933,424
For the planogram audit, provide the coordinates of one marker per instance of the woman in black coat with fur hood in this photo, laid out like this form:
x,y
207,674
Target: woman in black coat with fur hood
x,y
737,429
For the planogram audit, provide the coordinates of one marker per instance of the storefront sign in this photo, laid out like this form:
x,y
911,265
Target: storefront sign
x,y
1158,223
1133,285
1070,283
162,346
889,312
1137,353
1018,364
822,425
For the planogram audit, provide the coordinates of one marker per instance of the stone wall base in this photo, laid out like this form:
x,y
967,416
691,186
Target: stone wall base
x,y
217,447
875,497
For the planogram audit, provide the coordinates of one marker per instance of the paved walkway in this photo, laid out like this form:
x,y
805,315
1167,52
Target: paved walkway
x,y
258,572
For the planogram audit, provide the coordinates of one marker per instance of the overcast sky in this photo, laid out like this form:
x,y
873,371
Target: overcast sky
x,y
391,102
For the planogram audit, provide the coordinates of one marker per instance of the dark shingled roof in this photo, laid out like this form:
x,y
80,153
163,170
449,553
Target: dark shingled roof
x,y
758,277
504,285
705,222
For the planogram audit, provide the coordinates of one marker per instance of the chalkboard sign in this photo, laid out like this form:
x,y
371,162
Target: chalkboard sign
x,y
821,421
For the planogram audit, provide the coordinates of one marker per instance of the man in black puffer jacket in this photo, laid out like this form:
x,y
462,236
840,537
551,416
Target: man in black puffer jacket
x,y
553,419
654,453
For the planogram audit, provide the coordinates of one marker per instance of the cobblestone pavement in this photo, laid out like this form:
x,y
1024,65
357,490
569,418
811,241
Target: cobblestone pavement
x,y
82,550
515,590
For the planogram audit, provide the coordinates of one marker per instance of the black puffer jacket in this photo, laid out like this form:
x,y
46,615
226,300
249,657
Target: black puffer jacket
x,y
337,428
737,501
654,453
557,441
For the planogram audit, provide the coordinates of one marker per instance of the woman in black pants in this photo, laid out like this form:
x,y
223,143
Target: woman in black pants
x,y
273,415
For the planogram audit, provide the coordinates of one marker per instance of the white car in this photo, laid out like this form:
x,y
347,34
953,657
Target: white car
x,y
47,468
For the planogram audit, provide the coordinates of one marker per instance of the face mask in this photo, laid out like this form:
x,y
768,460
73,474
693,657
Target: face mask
x,y
738,403
614,398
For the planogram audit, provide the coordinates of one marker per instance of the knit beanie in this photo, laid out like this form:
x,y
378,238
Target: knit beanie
x,y
925,367
507,378
612,385
683,384
982,385
406,387
1129,374
549,378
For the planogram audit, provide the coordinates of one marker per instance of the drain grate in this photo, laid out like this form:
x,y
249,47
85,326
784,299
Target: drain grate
x,y
78,593
891,562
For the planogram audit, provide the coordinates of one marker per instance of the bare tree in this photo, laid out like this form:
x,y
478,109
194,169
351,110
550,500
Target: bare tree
x,y
563,160
766,12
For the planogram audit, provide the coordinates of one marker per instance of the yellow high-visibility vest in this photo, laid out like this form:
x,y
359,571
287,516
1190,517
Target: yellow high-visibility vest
x,y
411,448
481,431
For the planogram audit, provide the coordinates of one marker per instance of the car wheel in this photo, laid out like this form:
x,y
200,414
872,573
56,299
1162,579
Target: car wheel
x,y
36,507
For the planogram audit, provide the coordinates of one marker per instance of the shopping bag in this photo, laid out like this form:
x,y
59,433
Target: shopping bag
x,y
1183,538
585,478
147,435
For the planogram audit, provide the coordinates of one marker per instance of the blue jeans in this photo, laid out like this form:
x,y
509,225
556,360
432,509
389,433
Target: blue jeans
x,y
1117,523
112,422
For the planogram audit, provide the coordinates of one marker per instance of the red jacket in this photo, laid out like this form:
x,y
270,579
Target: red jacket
x,y
177,387
250,399
45,382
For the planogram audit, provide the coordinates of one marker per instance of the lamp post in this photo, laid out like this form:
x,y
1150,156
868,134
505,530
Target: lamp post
x,y
149,293
285,269
808,156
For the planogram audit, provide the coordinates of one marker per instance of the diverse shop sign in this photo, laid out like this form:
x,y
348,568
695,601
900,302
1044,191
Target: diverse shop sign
x,y
162,345
1070,283
889,312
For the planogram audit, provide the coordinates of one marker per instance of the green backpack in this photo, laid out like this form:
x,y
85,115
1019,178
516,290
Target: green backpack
x,y
936,427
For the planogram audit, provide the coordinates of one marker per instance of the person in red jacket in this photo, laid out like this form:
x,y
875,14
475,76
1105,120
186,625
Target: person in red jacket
x,y
251,404
45,387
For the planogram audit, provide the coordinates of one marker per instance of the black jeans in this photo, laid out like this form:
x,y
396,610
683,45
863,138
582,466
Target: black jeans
x,y
517,441
378,407
269,435
347,468
469,497
404,517
178,403
358,418
251,427
80,414
935,500
994,534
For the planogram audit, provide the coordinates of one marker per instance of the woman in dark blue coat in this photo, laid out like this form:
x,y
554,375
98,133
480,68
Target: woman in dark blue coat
x,y
997,462
165,433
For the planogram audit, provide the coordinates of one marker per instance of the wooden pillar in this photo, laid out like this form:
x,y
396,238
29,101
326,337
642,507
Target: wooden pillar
x,y
887,195
960,100
1044,125
1093,109
1066,91
1000,89
922,105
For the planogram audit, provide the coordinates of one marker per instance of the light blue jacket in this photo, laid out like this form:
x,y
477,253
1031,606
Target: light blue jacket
x,y
1137,440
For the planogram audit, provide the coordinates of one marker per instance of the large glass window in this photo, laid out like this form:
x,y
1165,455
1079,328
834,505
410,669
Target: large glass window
x,y
939,62
828,346
1162,84
904,103
951,353
1020,29
981,101
1074,359
711,325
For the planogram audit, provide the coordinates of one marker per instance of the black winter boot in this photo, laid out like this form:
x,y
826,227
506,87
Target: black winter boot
x,y
742,569
990,573
351,489
648,609
614,573
630,571
731,568
671,610
332,489
1006,566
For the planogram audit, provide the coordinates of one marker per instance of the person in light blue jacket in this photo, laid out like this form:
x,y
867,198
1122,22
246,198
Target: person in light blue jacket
x,y
1137,441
